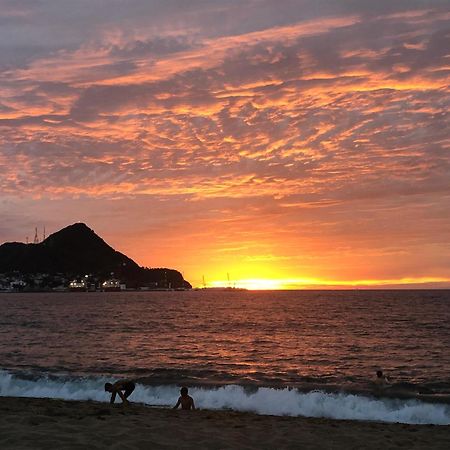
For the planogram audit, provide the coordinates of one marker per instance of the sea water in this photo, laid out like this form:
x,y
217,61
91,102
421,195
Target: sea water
x,y
309,353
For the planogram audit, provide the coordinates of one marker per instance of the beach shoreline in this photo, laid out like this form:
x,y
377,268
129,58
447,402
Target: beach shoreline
x,y
38,423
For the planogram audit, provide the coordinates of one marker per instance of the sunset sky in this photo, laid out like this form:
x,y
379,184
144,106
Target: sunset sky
x,y
289,143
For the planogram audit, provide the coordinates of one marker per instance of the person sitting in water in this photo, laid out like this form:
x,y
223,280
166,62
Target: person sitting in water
x,y
381,380
127,386
185,400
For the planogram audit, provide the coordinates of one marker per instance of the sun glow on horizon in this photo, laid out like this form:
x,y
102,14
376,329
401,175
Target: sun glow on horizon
x,y
255,284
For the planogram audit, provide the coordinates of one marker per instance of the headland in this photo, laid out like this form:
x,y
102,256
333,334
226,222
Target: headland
x,y
77,259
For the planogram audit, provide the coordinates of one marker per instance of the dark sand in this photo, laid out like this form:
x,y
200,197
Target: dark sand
x,y
27,423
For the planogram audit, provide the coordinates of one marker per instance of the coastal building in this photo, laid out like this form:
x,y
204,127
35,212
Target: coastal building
x,y
78,285
111,285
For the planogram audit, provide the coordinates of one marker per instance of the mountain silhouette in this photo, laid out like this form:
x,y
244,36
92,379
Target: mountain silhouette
x,y
77,250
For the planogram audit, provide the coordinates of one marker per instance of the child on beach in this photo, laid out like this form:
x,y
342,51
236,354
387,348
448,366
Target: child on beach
x,y
185,400
127,386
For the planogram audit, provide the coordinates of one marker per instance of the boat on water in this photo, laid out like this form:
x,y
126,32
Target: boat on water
x,y
220,288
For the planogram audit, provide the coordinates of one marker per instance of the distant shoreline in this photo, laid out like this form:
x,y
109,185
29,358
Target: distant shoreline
x,y
92,292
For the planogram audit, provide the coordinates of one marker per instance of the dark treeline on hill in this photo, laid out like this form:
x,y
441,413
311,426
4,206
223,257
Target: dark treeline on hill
x,y
75,251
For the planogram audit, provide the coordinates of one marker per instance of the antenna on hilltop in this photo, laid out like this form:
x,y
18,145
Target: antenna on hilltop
x,y
36,239
43,234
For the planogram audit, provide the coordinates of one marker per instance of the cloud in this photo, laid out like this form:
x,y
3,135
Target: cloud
x,y
298,126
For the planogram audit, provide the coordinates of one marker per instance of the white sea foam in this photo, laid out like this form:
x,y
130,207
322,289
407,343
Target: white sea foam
x,y
280,402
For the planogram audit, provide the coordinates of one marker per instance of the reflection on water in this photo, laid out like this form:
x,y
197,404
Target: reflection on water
x,y
247,337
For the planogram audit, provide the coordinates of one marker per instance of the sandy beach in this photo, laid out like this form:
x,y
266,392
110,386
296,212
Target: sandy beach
x,y
56,424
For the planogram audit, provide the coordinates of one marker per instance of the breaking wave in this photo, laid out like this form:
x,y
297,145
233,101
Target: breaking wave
x,y
262,400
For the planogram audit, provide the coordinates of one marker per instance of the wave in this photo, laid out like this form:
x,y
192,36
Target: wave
x,y
260,400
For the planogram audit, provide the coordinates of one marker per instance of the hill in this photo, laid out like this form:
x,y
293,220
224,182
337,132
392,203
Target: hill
x,y
77,250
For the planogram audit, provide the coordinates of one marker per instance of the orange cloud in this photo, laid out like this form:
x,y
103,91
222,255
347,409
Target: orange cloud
x,y
300,152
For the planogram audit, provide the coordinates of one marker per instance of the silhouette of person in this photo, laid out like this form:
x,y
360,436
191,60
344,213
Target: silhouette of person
x,y
185,400
127,386
381,380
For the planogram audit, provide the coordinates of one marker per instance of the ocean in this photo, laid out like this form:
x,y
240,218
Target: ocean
x,y
297,353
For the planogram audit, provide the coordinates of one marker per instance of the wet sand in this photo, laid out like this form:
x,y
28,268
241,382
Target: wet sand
x,y
27,423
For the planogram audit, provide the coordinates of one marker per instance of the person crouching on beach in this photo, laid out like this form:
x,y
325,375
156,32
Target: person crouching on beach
x,y
127,386
185,400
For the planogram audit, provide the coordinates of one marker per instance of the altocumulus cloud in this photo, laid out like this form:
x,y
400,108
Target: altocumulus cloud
x,y
321,109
